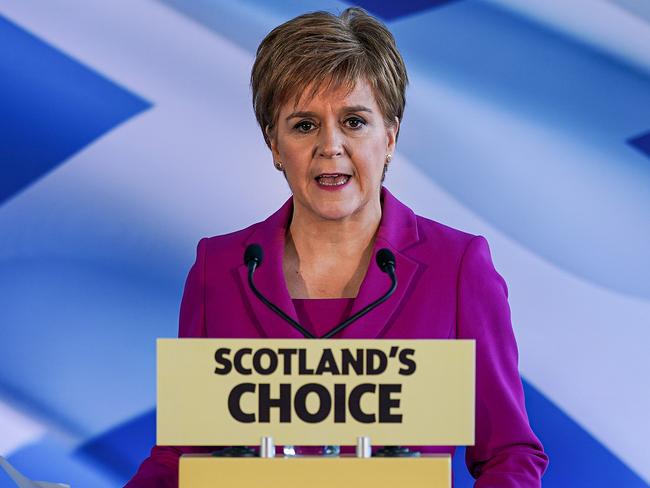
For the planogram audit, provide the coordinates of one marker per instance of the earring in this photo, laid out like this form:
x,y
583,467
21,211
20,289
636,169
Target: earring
x,y
278,165
388,159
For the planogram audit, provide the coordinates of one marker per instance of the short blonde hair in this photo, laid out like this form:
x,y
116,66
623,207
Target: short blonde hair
x,y
323,50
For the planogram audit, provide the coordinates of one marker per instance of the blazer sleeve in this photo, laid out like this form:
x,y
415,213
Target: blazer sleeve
x,y
160,469
506,452
192,316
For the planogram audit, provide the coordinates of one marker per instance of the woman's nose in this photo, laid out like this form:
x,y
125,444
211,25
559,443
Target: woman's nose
x,y
330,143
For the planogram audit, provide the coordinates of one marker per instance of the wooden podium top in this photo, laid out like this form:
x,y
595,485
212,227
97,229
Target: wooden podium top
x,y
205,471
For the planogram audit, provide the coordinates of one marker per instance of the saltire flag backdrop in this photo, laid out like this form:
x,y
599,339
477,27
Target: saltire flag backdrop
x,y
127,133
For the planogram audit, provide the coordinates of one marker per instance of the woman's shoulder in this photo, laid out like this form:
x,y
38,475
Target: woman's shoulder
x,y
227,247
442,243
408,230
223,242
266,231
433,230
467,253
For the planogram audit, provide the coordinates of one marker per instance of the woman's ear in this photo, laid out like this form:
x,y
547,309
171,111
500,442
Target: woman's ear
x,y
272,142
392,132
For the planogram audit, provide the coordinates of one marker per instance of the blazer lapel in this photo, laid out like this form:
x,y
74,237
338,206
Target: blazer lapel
x,y
397,231
269,277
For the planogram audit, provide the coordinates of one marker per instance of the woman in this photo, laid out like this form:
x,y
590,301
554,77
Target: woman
x,y
328,94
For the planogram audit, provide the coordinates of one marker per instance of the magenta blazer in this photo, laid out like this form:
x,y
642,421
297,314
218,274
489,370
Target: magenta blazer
x,y
448,288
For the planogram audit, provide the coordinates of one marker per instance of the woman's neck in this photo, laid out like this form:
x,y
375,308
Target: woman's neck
x,y
314,237
328,258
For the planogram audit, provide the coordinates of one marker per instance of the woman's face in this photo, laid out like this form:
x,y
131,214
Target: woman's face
x,y
333,148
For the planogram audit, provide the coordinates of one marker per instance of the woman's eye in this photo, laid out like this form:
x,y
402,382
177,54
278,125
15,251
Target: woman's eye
x,y
354,122
304,126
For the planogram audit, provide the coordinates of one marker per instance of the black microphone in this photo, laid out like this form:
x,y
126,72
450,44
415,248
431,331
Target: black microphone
x,y
253,257
253,254
386,262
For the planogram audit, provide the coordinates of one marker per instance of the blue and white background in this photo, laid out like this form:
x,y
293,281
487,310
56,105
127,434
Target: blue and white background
x,y
127,133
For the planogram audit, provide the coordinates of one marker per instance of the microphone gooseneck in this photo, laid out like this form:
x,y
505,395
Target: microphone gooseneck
x,y
386,262
252,259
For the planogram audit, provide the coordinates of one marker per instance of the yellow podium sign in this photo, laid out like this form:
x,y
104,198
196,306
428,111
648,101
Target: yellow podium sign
x,y
204,471
315,392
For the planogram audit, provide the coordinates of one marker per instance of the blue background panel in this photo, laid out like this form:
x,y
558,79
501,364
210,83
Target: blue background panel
x,y
51,106
641,142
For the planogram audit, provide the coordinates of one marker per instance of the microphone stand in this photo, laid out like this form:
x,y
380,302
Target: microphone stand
x,y
365,310
386,261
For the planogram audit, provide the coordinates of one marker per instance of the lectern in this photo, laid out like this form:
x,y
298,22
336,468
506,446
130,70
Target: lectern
x,y
255,393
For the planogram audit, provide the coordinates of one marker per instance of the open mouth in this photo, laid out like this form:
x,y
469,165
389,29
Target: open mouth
x,y
332,179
